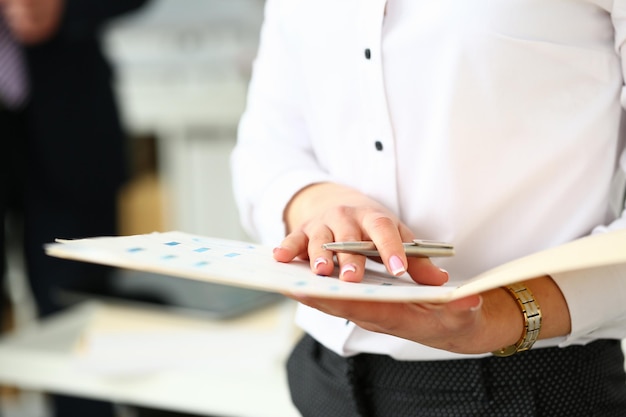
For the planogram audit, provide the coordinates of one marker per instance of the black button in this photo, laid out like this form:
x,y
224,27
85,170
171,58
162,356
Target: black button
x,y
368,53
379,145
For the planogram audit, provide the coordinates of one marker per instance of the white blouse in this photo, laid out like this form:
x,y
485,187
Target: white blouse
x,y
492,125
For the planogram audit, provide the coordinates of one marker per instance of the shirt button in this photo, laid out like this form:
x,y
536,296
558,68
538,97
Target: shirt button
x,y
368,53
379,145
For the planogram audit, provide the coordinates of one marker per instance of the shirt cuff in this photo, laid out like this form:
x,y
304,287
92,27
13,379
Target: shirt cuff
x,y
595,298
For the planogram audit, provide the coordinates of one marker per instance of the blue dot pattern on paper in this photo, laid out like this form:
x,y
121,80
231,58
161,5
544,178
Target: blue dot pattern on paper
x,y
202,255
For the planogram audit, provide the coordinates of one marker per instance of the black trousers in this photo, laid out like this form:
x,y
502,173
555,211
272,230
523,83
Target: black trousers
x,y
577,381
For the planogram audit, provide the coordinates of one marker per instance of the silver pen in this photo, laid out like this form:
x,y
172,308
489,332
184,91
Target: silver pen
x,y
418,248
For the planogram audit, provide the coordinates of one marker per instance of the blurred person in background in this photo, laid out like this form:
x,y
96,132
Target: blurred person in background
x,y
63,148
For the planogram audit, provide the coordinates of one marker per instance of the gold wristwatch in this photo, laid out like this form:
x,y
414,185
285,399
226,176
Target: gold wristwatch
x,y
532,320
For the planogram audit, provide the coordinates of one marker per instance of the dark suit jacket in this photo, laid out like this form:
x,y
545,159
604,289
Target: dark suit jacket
x,y
72,156
76,144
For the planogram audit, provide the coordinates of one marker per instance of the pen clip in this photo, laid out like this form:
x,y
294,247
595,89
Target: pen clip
x,y
432,244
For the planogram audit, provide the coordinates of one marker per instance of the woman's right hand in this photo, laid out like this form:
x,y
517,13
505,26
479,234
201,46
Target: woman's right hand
x,y
327,212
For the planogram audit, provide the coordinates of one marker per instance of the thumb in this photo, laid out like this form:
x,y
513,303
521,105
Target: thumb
x,y
469,303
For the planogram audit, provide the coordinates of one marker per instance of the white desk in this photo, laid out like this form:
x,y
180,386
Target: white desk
x,y
242,376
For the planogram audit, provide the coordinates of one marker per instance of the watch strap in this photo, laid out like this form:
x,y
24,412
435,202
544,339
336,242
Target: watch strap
x,y
532,320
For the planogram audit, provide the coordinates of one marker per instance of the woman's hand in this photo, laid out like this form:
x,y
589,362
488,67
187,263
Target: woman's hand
x,y
323,213
458,326
475,324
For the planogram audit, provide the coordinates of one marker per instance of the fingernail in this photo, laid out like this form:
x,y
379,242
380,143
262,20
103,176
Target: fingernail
x,y
347,270
447,274
276,249
396,265
479,305
319,261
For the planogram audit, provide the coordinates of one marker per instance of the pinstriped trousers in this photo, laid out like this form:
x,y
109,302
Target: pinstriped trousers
x,y
577,381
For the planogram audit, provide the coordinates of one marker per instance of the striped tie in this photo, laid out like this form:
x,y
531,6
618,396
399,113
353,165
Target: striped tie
x,y
13,82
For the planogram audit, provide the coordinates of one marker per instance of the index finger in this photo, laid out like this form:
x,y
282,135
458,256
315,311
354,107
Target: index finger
x,y
387,237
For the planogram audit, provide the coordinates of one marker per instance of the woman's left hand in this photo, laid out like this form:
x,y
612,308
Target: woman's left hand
x,y
475,324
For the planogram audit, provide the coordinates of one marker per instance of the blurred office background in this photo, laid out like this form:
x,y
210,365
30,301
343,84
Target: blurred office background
x,y
182,69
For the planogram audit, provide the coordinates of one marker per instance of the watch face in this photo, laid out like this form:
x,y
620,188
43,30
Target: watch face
x,y
507,351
